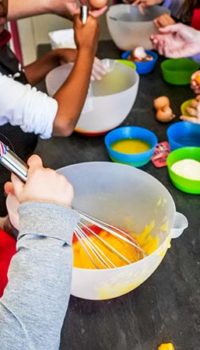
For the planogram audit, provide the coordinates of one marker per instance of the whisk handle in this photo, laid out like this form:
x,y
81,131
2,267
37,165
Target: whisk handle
x,y
12,162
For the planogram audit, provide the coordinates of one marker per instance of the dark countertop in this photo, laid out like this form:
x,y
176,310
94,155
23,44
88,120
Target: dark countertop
x,y
166,308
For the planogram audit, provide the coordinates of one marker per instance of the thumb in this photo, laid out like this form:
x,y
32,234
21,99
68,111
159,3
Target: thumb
x,y
18,186
34,162
173,28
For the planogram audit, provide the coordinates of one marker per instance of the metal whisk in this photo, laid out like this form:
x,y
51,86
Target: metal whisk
x,y
84,231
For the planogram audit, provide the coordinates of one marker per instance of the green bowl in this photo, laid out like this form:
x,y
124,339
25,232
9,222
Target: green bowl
x,y
128,63
182,183
184,106
178,71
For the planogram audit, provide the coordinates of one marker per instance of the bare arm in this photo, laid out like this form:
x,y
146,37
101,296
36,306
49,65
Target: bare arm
x,y
71,96
36,71
26,8
65,8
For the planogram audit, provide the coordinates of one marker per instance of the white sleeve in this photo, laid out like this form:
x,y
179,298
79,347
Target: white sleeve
x,y
22,105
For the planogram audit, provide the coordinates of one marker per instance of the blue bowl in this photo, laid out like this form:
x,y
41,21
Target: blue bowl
x,y
183,134
143,67
131,132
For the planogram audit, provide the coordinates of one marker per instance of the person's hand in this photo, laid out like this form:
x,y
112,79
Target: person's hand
x,y
42,185
163,21
142,4
86,35
70,8
98,70
177,40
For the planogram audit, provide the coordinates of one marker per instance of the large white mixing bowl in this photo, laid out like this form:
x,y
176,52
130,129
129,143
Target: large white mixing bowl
x,y
108,102
131,199
129,28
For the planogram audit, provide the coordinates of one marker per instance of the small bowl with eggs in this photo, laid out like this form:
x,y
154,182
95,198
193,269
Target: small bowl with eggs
x,y
184,169
132,145
145,61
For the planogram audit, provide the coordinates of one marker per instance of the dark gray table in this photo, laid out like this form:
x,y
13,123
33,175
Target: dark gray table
x,y
167,306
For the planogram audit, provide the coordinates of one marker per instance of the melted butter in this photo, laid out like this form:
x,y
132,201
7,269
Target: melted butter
x,y
130,146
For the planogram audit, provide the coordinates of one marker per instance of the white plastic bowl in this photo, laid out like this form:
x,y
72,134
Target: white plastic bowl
x,y
63,38
131,199
108,102
130,28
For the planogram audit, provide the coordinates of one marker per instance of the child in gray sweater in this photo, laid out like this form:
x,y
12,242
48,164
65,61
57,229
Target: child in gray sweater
x,y
35,300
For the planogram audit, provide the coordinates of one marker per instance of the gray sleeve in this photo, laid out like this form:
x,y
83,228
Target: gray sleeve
x,y
35,301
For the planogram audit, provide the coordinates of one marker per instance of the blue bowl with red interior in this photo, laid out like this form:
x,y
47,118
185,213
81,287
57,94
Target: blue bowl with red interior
x,y
143,67
183,134
128,133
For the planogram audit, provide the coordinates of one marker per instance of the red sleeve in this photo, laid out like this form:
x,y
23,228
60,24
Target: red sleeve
x,y
196,19
7,250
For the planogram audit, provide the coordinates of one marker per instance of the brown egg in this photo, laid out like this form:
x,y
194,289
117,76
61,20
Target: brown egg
x,y
98,4
165,115
196,77
161,102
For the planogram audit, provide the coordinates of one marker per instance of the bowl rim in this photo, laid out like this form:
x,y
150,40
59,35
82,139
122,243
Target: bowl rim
x,y
174,125
126,6
166,68
132,71
133,155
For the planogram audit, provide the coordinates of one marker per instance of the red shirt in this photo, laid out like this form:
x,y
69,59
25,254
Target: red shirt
x,y
7,250
195,23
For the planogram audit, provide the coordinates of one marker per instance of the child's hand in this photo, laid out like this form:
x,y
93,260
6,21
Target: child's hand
x,y
163,21
43,185
98,70
86,35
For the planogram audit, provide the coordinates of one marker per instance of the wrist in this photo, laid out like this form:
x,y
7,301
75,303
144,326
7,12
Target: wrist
x,y
88,51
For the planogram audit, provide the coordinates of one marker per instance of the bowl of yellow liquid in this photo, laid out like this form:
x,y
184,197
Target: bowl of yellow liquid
x,y
131,145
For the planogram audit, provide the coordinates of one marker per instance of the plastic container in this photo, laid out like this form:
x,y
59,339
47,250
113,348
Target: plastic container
x,y
184,107
183,134
128,198
182,183
109,100
130,28
178,71
62,39
143,67
131,132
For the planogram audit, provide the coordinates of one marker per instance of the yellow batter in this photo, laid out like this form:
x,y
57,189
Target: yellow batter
x,y
166,346
130,146
145,240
